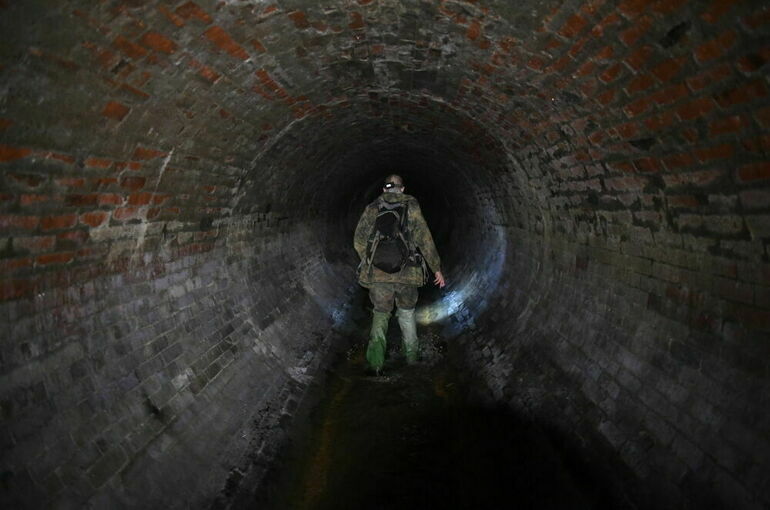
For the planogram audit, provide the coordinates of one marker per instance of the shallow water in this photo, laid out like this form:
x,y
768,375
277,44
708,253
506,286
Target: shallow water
x,y
410,439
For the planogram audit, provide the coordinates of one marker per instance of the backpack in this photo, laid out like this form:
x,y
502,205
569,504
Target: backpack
x,y
389,248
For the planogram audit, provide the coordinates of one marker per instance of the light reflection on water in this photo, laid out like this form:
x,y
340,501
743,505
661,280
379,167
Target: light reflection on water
x,y
455,302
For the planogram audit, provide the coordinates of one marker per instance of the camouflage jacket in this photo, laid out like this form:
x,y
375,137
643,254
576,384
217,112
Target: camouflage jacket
x,y
418,233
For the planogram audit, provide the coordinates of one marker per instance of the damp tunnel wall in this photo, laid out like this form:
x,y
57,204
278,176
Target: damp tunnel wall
x,y
180,182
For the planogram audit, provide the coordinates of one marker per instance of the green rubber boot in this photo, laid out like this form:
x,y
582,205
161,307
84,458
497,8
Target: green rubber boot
x,y
408,326
375,351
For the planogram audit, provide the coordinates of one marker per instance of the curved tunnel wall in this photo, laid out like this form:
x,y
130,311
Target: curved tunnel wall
x,y
180,183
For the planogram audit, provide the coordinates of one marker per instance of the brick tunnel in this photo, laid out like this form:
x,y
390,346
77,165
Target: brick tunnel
x,y
181,180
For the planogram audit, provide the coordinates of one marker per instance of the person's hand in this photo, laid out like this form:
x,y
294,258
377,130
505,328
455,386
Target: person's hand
x,y
439,279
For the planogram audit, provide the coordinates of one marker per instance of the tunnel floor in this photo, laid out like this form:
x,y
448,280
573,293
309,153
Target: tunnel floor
x,y
410,439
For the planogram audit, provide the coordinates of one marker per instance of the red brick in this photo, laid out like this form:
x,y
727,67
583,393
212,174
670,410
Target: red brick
x,y
647,165
115,110
577,48
98,162
27,199
72,238
8,265
94,219
573,26
536,63
130,49
725,125
103,182
665,71
8,221
623,166
192,10
611,19
126,213
711,153
142,198
671,94
27,180
682,201
60,157
750,91
758,18
710,77
55,258
633,8
715,48
668,6
473,32
611,73
625,183
299,19
158,42
605,53
14,289
160,198
132,183
697,108
632,35
676,161
638,107
110,199
357,21
208,74
173,18
640,83
754,172
627,130
638,57
660,121
58,222
606,97
585,69
717,9
258,46
142,154
8,153
223,41
754,61
597,137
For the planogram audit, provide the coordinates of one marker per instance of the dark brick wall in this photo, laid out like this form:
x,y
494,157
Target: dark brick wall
x,y
155,384
179,183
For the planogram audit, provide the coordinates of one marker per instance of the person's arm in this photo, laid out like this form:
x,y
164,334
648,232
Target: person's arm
x,y
363,230
422,237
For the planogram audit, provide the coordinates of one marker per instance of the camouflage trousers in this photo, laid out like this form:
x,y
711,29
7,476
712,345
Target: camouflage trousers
x,y
383,295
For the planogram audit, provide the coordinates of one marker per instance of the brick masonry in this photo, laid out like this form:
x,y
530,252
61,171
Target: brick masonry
x,y
180,181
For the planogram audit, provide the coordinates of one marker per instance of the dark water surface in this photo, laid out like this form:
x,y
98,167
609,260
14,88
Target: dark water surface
x,y
409,439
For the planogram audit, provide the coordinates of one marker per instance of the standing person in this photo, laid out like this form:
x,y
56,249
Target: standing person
x,y
393,242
